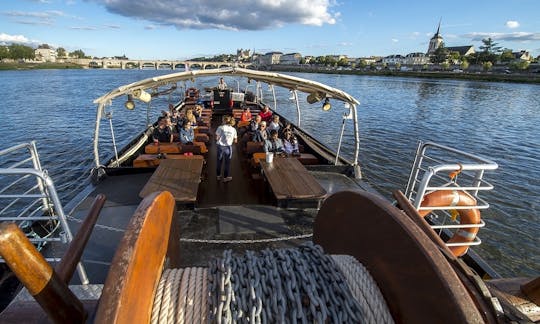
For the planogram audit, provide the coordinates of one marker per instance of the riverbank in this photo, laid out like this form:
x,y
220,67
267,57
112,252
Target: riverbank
x,y
38,66
477,76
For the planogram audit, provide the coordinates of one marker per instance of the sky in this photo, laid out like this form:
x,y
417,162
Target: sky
x,y
182,29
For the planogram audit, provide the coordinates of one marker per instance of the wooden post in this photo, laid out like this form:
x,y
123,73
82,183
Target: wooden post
x,y
532,290
38,276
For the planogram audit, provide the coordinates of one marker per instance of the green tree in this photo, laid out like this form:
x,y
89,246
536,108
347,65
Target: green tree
x,y
507,56
398,66
464,65
440,55
45,46
330,60
454,56
362,64
521,65
445,66
4,52
490,51
77,54
487,65
17,52
343,62
61,52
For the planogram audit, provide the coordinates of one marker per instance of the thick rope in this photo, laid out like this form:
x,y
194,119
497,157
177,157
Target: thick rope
x,y
364,290
284,285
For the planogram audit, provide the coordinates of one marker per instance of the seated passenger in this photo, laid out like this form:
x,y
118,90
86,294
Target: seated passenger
x,y
261,134
162,133
266,114
186,134
275,124
246,115
254,124
273,143
198,111
175,118
282,130
290,143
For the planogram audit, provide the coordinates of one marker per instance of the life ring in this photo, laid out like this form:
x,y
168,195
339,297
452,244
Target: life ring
x,y
466,216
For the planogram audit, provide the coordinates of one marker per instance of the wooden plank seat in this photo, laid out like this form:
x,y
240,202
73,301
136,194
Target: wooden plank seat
x,y
202,137
153,160
254,147
202,129
291,181
162,148
180,177
304,158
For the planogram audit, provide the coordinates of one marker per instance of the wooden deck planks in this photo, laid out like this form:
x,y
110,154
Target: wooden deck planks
x,y
180,177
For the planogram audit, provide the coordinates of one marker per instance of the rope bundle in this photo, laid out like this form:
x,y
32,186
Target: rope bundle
x,y
283,285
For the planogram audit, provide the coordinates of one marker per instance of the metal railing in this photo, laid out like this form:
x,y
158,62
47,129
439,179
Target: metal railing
x,y
28,198
441,168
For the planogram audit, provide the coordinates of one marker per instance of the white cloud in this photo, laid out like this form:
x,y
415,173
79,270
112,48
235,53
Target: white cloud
x,y
5,38
515,37
227,14
345,44
512,24
395,40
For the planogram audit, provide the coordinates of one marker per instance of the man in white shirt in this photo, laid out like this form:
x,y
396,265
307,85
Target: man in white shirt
x,y
222,85
225,137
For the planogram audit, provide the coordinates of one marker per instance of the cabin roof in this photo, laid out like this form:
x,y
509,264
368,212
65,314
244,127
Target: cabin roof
x,y
277,79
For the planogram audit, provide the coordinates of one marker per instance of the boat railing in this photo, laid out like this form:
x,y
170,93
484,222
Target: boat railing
x,y
29,198
441,168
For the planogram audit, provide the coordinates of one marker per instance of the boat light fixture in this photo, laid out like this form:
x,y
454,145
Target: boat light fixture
x,y
291,95
129,104
314,97
326,105
142,95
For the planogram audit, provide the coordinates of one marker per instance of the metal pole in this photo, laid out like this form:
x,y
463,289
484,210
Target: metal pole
x,y
298,114
96,134
340,138
109,116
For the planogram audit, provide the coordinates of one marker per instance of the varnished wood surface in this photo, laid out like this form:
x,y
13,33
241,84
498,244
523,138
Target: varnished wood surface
x,y
38,276
152,160
289,179
162,148
180,177
136,268
509,291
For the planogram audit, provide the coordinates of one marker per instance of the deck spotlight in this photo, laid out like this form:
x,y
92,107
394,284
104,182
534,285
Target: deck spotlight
x,y
291,95
129,104
326,105
142,95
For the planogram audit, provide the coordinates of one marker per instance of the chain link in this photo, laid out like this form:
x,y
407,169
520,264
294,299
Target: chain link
x,y
284,285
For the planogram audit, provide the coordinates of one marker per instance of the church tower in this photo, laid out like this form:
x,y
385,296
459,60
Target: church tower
x,y
435,41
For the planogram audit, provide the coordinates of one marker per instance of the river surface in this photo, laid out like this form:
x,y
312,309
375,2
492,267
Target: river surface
x,y
499,121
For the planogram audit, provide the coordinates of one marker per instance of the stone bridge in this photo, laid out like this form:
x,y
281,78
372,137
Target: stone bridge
x,y
154,64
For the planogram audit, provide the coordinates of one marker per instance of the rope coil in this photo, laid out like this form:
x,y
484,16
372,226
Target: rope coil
x,y
284,285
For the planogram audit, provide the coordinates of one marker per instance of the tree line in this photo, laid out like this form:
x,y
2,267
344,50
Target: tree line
x,y
491,53
23,52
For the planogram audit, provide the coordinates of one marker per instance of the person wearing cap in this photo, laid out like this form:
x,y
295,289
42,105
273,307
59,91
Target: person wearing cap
x,y
261,134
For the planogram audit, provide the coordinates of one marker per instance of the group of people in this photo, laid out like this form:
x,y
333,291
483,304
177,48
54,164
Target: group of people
x,y
180,122
267,128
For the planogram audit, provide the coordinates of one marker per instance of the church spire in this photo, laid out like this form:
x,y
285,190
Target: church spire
x,y
436,41
438,28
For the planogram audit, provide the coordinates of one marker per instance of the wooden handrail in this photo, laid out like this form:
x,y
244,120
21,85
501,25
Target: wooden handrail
x,y
38,276
73,254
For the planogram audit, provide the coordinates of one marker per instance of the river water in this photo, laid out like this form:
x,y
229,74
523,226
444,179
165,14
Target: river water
x,y
499,121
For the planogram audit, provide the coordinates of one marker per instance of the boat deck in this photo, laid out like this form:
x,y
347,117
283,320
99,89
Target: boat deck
x,y
242,209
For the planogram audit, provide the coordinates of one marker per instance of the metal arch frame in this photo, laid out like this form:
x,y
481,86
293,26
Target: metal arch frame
x,y
282,80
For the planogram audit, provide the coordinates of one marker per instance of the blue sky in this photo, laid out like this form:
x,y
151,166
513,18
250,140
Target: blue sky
x,y
181,29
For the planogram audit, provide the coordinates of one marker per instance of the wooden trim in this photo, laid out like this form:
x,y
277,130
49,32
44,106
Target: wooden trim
x,y
532,290
136,268
38,276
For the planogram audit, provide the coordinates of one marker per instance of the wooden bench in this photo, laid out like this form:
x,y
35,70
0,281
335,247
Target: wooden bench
x,y
291,183
162,148
254,147
180,177
154,160
304,158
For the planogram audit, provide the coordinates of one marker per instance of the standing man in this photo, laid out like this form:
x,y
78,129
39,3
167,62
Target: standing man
x,y
222,85
225,137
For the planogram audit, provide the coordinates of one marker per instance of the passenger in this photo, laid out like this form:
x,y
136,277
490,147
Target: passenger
x,y
290,143
188,117
198,111
246,115
187,135
175,118
266,114
274,143
222,85
261,134
282,130
164,114
162,133
275,124
225,137
254,124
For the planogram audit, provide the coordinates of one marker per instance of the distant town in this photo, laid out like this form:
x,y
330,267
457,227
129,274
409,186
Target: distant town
x,y
438,57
